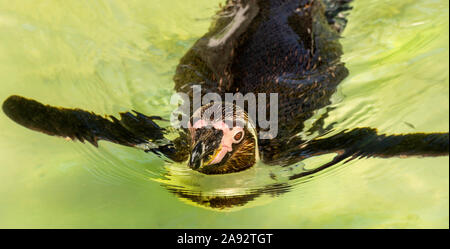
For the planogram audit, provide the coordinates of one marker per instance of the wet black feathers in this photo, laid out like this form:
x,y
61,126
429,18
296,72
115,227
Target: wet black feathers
x,y
130,130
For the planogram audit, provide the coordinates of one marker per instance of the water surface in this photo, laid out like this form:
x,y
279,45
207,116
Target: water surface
x,y
113,56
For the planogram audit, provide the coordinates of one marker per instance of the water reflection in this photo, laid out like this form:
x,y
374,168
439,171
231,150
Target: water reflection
x,y
263,182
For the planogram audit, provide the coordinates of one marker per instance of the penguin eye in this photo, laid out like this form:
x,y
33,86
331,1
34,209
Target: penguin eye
x,y
238,136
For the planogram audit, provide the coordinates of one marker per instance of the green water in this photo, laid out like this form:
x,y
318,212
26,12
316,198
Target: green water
x,y
113,56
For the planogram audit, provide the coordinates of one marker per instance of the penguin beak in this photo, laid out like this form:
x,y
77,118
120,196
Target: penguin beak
x,y
203,154
206,146
205,150
196,160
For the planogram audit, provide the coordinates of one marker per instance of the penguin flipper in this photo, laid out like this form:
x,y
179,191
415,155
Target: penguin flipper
x,y
366,143
133,129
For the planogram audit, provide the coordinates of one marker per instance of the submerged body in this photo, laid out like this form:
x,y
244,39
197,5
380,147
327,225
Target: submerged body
x,y
288,47
283,47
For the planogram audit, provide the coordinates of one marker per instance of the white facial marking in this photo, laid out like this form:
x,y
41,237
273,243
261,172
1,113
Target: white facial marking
x,y
227,138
